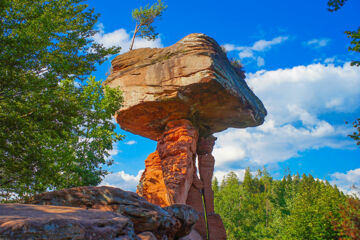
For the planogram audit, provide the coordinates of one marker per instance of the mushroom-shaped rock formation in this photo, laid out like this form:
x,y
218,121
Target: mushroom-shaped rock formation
x,y
179,96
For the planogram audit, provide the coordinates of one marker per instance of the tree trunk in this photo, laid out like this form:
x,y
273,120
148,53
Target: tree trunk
x,y
133,38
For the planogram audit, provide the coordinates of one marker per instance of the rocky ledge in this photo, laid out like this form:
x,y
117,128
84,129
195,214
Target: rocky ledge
x,y
94,213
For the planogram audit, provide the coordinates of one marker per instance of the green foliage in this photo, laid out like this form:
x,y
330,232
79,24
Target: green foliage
x,y
334,5
355,43
356,133
292,208
55,129
349,223
145,17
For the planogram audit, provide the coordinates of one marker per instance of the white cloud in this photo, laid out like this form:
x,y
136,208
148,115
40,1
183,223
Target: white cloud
x,y
260,61
114,151
262,45
258,47
121,38
229,47
318,43
122,180
227,154
296,99
131,142
350,177
246,53
113,120
221,174
346,181
329,60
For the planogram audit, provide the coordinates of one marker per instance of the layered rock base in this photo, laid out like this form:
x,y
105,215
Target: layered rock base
x,y
94,213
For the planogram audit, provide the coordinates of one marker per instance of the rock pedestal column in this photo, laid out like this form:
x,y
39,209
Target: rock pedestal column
x,y
177,151
171,177
173,165
206,164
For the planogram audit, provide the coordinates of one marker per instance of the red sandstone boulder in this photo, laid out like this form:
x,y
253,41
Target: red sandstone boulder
x,y
20,221
192,79
146,217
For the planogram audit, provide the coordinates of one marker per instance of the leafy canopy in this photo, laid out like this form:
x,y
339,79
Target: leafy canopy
x,y
261,207
56,129
356,133
335,5
145,17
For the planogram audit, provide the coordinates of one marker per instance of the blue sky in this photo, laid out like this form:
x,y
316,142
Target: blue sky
x,y
296,58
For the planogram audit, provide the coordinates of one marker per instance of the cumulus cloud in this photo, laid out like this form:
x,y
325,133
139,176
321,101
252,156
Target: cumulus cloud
x,y
258,47
114,151
346,181
262,45
315,88
219,174
122,180
318,42
329,60
260,61
296,99
121,38
131,142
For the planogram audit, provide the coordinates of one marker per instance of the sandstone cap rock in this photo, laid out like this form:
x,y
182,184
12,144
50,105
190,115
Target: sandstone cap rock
x,y
192,79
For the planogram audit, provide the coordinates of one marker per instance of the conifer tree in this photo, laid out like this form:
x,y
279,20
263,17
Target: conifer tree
x,y
145,17
291,208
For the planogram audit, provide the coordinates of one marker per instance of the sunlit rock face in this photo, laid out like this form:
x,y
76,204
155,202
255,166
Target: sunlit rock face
x,y
192,79
179,96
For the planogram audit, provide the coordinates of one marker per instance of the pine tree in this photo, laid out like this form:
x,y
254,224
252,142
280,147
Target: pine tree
x,y
145,17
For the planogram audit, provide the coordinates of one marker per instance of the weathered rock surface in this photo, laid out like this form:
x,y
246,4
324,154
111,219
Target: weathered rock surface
x,y
195,200
179,96
177,151
147,236
152,186
169,223
206,163
216,227
187,218
192,79
169,170
20,221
